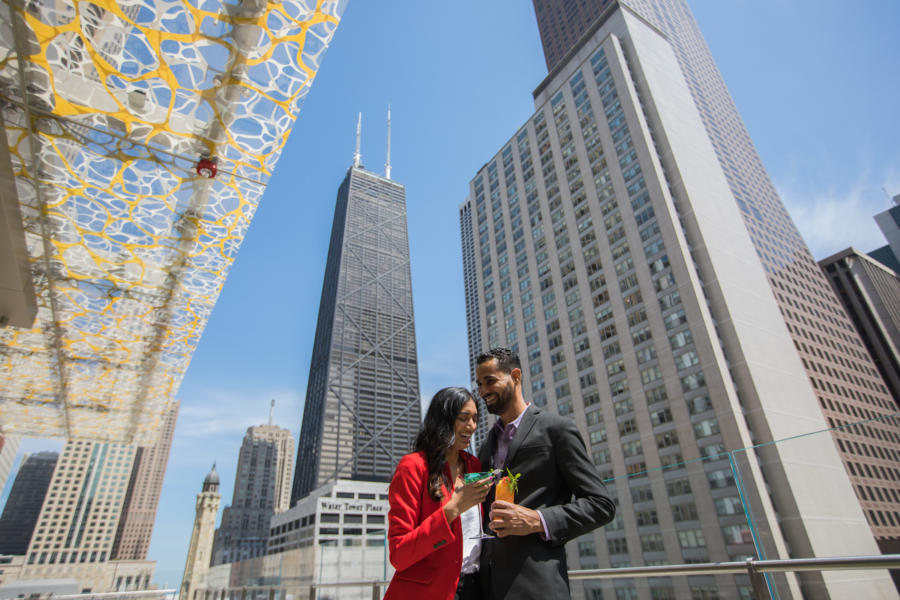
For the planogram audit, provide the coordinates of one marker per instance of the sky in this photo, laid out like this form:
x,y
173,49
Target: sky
x,y
815,81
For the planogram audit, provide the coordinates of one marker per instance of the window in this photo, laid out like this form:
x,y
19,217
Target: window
x,y
686,360
706,427
652,542
720,479
684,512
693,381
737,534
650,374
617,545
675,319
681,339
666,439
641,493
678,487
627,427
658,417
646,354
598,436
730,505
632,448
699,404
691,538
657,394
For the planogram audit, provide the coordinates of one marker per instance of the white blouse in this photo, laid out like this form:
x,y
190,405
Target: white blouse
x,y
471,532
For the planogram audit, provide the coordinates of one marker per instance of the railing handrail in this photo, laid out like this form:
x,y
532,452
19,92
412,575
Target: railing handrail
x,y
122,594
880,561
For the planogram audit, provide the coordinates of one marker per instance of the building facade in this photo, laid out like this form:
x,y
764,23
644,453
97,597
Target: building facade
x,y
889,223
262,488
334,534
200,549
612,254
846,381
562,23
870,292
362,400
23,506
9,446
142,496
74,535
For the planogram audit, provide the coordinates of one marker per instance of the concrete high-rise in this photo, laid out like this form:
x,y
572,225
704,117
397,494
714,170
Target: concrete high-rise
x,y
142,496
362,399
844,377
870,292
97,517
611,252
20,514
79,518
889,223
9,445
562,22
200,549
262,488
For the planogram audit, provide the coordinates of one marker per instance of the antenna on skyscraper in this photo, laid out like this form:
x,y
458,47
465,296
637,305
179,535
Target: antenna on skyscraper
x,y
387,164
271,410
356,155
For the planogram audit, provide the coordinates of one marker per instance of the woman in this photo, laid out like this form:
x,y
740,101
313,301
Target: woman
x,y
434,520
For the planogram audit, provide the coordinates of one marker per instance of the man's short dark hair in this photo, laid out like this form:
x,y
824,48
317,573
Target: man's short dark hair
x,y
507,360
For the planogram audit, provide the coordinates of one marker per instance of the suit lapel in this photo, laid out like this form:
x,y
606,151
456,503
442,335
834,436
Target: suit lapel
x,y
486,452
528,421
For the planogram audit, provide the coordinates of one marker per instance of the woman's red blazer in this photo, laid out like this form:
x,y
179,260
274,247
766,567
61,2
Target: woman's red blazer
x,y
425,550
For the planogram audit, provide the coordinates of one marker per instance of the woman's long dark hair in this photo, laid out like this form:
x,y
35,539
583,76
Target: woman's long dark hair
x,y
437,433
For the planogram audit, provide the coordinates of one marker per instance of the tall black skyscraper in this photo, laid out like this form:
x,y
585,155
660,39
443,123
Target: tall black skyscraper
x,y
25,500
362,399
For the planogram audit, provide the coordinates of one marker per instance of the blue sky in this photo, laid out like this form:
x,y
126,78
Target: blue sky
x,y
815,81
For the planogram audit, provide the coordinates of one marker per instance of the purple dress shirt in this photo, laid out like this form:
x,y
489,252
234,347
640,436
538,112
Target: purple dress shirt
x,y
504,439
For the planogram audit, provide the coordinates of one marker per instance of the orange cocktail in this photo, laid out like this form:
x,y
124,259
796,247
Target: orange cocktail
x,y
507,487
504,491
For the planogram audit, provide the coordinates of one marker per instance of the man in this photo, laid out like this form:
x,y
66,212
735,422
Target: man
x,y
560,494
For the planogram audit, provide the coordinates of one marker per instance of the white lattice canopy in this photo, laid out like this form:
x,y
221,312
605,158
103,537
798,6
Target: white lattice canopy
x,y
141,136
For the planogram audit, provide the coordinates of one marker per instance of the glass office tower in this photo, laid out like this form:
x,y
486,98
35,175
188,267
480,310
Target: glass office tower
x,y
362,399
611,253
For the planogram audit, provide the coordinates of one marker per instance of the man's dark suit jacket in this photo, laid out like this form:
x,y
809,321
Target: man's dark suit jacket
x,y
560,481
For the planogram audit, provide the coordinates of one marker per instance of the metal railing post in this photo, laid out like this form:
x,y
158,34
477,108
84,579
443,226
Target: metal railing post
x,y
312,592
376,591
758,581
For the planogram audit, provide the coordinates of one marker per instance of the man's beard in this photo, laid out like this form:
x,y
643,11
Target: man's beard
x,y
503,401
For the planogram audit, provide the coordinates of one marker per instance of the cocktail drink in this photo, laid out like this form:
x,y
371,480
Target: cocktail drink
x,y
507,487
504,491
479,476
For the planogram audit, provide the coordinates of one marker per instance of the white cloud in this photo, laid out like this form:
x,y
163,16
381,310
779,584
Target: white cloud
x,y
831,220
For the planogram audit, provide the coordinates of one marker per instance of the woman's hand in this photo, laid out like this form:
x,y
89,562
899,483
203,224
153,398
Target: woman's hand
x,y
465,496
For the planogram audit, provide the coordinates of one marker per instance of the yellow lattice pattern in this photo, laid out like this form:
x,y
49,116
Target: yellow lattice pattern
x,y
109,107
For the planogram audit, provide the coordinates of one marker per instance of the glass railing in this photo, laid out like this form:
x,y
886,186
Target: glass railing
x,y
709,522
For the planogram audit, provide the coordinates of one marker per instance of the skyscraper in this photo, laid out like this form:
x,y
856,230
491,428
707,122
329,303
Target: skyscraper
x,y
262,485
20,514
80,515
362,400
9,445
889,223
846,382
142,496
610,251
200,549
562,22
